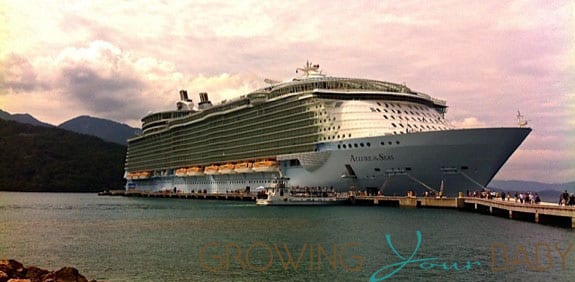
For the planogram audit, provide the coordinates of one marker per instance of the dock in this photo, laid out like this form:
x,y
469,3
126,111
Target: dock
x,y
232,196
543,213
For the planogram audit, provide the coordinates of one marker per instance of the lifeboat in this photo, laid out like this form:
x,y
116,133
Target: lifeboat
x,y
194,171
211,169
227,168
144,174
265,166
181,171
243,167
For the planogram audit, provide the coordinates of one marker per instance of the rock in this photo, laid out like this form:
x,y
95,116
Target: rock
x,y
36,274
14,271
12,268
69,274
3,276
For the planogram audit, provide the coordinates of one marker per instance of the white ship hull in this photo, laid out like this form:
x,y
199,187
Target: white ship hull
x,y
449,160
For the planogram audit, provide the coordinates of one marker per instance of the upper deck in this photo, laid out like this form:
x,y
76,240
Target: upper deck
x,y
313,83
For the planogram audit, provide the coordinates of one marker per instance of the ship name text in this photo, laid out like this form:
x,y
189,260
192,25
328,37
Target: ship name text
x,y
371,158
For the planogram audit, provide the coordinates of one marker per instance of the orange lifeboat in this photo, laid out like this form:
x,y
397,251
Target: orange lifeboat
x,y
265,166
194,171
211,169
181,171
243,167
144,174
227,168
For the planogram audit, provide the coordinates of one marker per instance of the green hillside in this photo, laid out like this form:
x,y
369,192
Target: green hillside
x,y
43,159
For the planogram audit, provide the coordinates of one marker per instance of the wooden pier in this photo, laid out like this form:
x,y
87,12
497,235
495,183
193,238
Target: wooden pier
x,y
545,213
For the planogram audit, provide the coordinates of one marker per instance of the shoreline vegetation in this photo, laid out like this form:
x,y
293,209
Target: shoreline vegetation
x,y
14,271
43,159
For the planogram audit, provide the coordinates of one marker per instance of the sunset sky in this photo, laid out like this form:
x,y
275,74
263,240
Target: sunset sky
x,y
122,59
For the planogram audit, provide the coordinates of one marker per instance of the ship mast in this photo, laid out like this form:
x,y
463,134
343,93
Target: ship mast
x,y
310,70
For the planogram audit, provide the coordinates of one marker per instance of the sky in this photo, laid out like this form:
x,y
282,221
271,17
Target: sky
x,y
120,60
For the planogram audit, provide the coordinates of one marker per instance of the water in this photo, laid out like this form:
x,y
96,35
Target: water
x,y
138,239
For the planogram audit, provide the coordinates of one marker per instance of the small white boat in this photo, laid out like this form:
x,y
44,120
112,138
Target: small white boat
x,y
280,195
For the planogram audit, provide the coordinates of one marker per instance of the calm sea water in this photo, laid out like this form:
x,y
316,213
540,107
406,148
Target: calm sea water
x,y
136,239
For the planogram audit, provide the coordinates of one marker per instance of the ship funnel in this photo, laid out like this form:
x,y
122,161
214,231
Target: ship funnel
x,y
184,95
185,103
204,101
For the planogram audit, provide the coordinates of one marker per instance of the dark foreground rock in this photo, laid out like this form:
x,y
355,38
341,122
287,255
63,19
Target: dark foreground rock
x,y
14,271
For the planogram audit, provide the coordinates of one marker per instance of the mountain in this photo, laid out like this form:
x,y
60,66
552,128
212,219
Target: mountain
x,y
105,129
50,159
23,118
517,185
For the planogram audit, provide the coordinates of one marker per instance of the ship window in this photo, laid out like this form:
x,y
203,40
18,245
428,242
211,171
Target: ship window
x,y
390,141
401,125
355,145
386,105
385,110
393,124
372,109
397,142
464,167
361,145
368,144
382,143
349,135
377,169
378,110
378,104
385,116
344,146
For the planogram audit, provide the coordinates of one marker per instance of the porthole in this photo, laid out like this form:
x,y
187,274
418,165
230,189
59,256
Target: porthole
x,y
361,145
344,146
397,142
355,145
368,144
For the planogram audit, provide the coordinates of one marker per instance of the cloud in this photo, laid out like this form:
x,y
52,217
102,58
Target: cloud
x,y
120,60
17,76
470,122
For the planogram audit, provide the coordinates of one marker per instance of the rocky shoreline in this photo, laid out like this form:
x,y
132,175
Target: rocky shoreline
x,y
14,271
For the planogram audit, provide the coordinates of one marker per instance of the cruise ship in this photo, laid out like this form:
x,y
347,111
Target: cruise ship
x,y
316,131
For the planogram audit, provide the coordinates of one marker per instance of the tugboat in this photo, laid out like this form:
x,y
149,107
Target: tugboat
x,y
279,194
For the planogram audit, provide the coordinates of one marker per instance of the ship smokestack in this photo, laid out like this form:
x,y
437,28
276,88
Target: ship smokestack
x,y
184,95
204,101
185,103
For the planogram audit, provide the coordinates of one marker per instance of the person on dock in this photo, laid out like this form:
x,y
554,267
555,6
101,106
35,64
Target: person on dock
x,y
564,198
537,199
571,200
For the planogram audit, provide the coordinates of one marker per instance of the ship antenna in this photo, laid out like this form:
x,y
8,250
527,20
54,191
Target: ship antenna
x,y
521,121
310,70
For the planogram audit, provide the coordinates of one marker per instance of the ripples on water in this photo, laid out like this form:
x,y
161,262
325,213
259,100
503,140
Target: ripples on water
x,y
137,239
